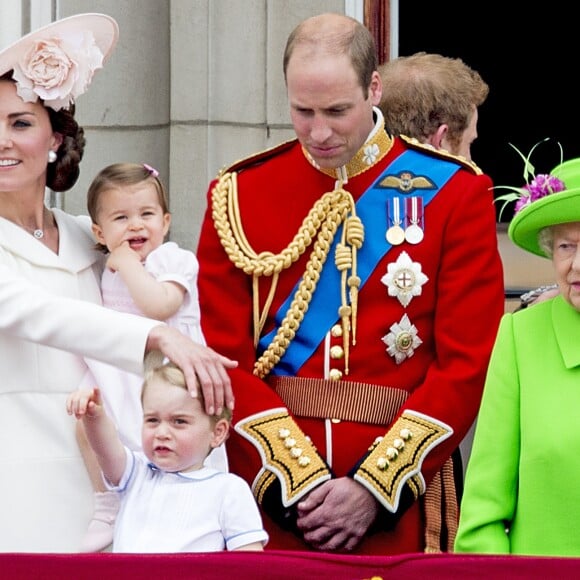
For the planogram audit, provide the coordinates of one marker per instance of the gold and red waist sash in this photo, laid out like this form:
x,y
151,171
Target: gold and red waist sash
x,y
344,400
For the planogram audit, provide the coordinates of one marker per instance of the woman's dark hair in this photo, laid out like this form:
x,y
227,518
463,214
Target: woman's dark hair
x,y
64,172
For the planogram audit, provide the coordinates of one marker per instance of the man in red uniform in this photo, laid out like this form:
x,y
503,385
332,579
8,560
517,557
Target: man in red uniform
x,y
355,276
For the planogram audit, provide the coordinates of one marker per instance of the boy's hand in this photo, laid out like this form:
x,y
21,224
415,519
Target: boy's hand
x,y
84,402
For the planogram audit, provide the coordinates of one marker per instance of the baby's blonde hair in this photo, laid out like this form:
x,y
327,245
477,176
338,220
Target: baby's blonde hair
x,y
119,176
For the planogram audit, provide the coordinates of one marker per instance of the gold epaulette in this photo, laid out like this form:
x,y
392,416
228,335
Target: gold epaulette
x,y
466,163
395,459
258,157
286,453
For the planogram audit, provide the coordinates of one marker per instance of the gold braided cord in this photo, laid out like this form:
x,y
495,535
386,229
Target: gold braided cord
x,y
352,239
291,322
236,244
345,260
260,319
225,213
320,226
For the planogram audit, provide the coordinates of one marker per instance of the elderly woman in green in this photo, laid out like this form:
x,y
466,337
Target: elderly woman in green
x,y
522,488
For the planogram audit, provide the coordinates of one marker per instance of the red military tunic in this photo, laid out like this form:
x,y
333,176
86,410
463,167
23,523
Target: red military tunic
x,y
427,347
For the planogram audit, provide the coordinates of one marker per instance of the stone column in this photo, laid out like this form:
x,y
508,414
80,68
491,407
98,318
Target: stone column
x,y
126,112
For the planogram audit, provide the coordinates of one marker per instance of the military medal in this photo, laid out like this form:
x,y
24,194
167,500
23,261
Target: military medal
x,y
414,207
395,234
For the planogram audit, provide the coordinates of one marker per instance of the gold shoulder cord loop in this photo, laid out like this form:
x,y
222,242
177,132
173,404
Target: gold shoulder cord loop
x,y
319,226
346,260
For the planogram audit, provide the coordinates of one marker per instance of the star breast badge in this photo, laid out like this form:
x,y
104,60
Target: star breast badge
x,y
402,340
404,279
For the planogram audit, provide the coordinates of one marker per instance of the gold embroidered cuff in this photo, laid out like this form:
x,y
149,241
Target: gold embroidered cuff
x,y
286,452
395,459
262,482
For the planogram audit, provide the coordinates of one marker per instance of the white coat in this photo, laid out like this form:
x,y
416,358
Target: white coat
x,y
50,318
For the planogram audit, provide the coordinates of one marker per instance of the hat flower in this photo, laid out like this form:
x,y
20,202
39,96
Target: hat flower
x,y
536,186
58,69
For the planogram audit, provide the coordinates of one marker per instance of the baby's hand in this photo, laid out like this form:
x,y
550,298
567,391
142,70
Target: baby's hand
x,y
121,255
84,402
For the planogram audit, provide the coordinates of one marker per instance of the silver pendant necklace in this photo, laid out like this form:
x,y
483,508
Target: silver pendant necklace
x,y
38,233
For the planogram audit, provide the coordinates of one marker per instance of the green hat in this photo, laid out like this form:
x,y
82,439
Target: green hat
x,y
554,208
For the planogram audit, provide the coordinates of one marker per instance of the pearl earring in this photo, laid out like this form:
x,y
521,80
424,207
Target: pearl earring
x,y
52,156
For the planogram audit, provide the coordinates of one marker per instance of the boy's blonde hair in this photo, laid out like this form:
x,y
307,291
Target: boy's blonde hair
x,y
158,367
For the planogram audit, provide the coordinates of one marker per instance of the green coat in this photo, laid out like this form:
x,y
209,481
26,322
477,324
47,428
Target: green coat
x,y
522,487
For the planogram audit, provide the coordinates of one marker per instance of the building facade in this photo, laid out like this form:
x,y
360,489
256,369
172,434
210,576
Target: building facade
x,y
192,86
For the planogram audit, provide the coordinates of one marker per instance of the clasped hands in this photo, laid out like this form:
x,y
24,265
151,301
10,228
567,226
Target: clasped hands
x,y
337,515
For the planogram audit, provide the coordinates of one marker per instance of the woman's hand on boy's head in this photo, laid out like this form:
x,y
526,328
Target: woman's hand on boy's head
x,y
84,402
202,366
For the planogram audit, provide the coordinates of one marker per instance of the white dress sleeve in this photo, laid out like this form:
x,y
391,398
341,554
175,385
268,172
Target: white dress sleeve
x,y
170,263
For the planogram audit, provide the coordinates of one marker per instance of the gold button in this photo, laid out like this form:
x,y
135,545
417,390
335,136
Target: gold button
x,y
336,351
335,375
336,330
335,421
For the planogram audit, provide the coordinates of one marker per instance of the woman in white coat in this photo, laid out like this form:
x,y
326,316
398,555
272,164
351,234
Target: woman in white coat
x,y
50,313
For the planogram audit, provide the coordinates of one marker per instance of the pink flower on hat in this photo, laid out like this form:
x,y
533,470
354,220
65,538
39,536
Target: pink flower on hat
x,y
541,186
58,70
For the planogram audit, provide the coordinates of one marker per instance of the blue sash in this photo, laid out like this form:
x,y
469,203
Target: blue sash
x,y
371,208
